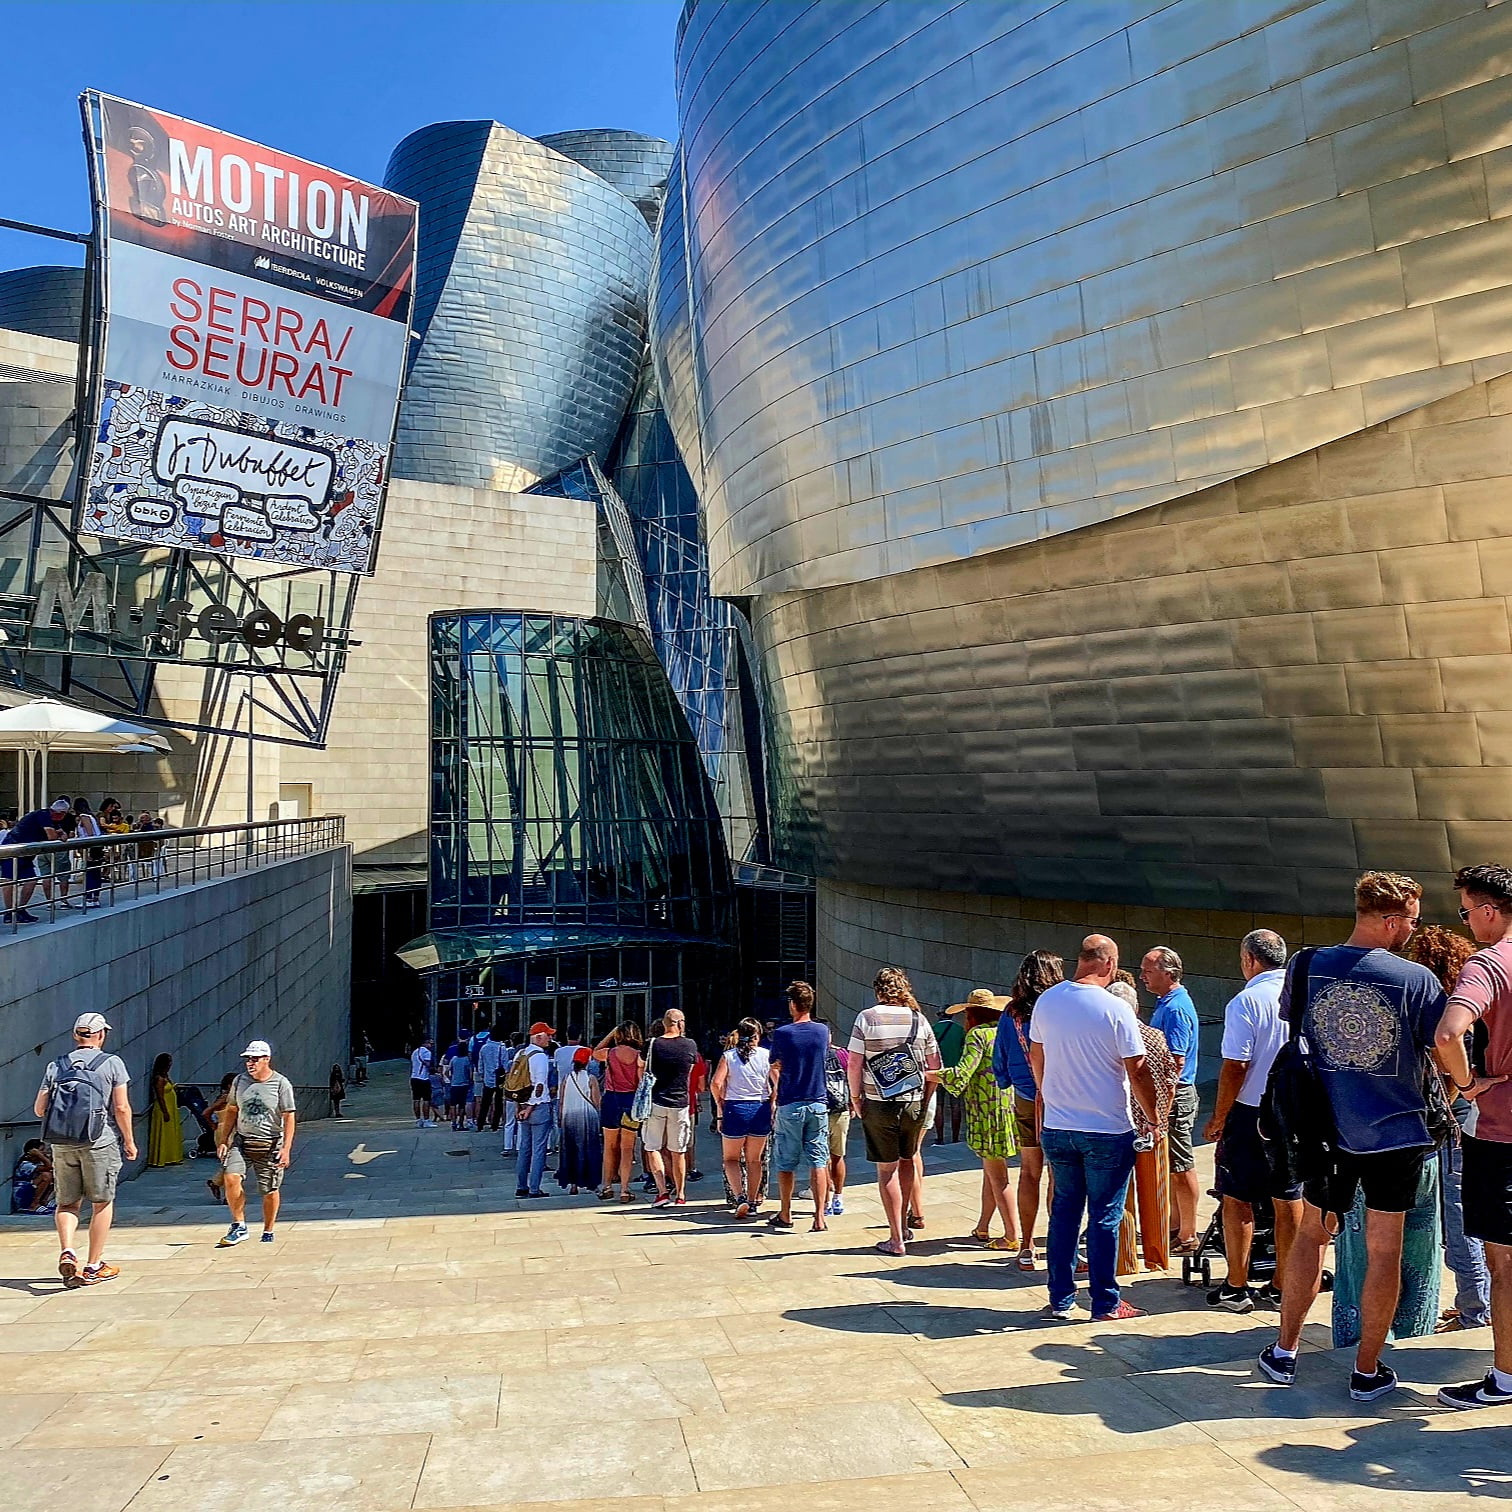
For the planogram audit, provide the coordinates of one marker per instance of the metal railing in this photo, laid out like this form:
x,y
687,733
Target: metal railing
x,y
58,879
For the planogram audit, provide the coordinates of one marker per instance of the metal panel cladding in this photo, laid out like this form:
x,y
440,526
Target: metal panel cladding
x,y
636,165
534,307
967,275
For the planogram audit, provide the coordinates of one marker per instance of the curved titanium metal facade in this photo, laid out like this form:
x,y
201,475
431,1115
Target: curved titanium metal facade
x,y
965,276
636,165
43,301
1105,410
531,295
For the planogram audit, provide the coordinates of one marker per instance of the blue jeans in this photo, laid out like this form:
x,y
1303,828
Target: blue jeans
x,y
535,1134
1466,1256
1091,1174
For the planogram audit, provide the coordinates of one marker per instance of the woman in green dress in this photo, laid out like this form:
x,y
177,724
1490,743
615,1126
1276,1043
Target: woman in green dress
x,y
989,1115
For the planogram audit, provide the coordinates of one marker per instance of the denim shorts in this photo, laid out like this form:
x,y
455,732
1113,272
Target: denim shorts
x,y
802,1135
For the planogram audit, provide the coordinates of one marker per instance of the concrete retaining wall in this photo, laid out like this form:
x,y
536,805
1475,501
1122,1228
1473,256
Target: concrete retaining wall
x,y
197,973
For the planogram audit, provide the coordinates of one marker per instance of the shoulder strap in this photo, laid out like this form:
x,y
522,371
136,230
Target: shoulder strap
x,y
913,1029
100,1058
1296,1001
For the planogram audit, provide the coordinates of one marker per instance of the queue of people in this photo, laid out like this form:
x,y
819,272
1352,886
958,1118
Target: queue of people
x,y
58,874
1363,1102
1400,1038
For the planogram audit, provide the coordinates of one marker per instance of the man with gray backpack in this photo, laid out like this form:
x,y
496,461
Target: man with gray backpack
x,y
86,1118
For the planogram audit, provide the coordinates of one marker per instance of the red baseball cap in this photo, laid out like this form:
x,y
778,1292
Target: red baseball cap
x,y
540,1028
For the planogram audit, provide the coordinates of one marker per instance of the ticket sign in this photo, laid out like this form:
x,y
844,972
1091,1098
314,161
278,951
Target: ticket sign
x,y
257,316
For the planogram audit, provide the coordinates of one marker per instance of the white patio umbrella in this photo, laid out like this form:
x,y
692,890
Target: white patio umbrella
x,y
46,725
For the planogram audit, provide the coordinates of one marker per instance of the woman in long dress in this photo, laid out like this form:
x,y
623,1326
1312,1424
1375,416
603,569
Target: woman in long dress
x,y
989,1115
165,1134
581,1156
1145,1229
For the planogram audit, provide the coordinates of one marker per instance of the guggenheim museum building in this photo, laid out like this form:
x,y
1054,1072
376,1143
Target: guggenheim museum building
x,y
1023,466
1098,410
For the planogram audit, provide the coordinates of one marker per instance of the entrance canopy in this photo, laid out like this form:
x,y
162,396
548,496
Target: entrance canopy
x,y
443,949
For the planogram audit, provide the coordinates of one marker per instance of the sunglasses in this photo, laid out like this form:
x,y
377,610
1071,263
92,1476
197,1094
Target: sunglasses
x,y
1465,913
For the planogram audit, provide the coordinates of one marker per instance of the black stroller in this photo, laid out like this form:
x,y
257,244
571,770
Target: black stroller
x,y
1199,1267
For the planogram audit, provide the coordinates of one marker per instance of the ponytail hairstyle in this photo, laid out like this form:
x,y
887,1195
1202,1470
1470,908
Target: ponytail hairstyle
x,y
747,1037
894,989
1040,969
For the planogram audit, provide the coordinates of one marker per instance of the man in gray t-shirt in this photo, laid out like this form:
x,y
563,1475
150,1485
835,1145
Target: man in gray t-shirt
x,y
89,1170
256,1134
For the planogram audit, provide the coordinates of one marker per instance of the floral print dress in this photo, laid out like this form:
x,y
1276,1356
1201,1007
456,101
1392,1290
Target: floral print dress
x,y
989,1108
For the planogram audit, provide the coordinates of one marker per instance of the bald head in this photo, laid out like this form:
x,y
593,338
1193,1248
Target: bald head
x,y
1097,961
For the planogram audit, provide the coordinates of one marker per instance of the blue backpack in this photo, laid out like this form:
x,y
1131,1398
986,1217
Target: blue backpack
x,y
79,1101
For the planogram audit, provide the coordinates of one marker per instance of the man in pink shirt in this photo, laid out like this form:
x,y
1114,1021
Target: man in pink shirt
x,y
1482,999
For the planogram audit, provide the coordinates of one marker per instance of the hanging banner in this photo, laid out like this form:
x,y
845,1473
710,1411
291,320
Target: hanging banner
x,y
257,318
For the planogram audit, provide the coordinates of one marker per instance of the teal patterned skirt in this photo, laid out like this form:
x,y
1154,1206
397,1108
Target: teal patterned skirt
x,y
1422,1265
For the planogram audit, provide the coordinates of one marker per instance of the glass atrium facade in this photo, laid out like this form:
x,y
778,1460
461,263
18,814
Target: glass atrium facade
x,y
578,866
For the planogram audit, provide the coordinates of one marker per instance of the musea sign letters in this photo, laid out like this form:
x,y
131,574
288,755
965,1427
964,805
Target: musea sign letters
x,y
162,626
257,313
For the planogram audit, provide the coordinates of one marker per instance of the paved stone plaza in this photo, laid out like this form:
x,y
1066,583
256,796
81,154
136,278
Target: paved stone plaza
x,y
415,1339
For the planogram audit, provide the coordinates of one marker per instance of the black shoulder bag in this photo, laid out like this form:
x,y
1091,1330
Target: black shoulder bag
x,y
1296,1117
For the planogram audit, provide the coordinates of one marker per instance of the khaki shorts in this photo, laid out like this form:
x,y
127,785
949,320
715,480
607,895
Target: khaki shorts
x,y
893,1129
1183,1120
82,1171
1025,1122
839,1128
668,1129
268,1172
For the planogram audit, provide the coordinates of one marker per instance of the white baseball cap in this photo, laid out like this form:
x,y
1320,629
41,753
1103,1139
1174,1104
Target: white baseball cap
x,y
90,1023
257,1047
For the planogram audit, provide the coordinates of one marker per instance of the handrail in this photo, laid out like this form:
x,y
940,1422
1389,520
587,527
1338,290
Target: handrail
x,y
135,837
145,861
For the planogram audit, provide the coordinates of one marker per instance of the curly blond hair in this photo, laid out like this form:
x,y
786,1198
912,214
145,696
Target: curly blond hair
x,y
1381,892
893,987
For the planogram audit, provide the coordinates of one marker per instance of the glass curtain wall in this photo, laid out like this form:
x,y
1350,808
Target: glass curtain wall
x,y
569,809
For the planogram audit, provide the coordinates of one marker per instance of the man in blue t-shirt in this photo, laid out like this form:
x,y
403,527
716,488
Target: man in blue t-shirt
x,y
1369,1020
801,1123
30,829
1175,1016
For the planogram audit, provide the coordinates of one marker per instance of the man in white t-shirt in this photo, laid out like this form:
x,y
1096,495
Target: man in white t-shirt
x,y
1088,1057
1253,1031
421,1060
533,1114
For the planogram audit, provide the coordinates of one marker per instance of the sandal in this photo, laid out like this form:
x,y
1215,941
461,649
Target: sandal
x,y
627,1196
915,1221
887,1247
981,1236
1186,1247
606,1194
1026,1260
1002,1244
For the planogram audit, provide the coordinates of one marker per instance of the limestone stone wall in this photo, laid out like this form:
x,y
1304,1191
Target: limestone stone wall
x,y
444,547
197,973
950,942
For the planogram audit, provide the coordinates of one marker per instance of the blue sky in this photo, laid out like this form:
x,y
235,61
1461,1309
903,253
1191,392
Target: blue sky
x,y
336,81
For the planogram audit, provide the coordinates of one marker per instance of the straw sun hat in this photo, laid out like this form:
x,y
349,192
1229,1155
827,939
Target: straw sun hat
x,y
980,997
